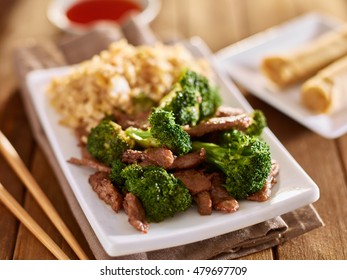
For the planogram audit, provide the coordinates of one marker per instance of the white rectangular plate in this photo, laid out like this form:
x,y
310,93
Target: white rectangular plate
x,y
293,190
242,62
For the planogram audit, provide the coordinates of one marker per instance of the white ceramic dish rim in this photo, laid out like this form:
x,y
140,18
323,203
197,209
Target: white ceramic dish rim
x,y
293,190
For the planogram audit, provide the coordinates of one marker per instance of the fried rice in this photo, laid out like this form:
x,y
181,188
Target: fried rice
x,y
114,79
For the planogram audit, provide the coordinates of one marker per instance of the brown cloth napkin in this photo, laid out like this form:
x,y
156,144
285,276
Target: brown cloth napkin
x,y
39,55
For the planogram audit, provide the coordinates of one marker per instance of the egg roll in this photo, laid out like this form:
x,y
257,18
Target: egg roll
x,y
327,87
303,62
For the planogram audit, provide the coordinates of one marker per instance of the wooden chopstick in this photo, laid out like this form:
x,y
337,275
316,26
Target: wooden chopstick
x,y
11,203
12,157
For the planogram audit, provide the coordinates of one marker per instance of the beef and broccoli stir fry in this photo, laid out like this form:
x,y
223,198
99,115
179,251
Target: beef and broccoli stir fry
x,y
186,151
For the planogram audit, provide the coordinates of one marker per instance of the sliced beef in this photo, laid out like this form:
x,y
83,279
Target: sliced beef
x,y
241,122
164,157
82,136
194,180
153,156
135,212
134,156
102,185
226,111
138,121
161,156
190,160
90,163
221,199
229,204
204,203
265,193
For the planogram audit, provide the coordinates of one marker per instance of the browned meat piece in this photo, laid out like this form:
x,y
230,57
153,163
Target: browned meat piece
x,y
217,124
226,111
221,199
102,185
134,156
81,136
204,203
124,120
194,180
190,160
153,156
90,163
135,212
265,193
162,156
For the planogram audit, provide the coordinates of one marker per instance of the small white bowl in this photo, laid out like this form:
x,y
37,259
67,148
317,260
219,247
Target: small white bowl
x,y
57,10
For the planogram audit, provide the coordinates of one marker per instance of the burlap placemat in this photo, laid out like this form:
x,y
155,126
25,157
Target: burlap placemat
x,y
39,55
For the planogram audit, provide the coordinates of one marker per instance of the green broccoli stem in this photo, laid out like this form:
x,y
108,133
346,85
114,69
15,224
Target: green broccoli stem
x,y
215,154
164,132
143,137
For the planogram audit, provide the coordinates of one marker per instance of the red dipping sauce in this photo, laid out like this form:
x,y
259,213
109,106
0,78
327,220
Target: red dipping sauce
x,y
90,11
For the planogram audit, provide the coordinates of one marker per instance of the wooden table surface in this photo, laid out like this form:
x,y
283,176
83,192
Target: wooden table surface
x,y
219,23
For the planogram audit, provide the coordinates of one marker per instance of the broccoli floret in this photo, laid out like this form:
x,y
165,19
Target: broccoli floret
x,y
172,135
163,131
191,99
107,142
233,139
183,100
211,98
245,160
161,194
115,175
258,123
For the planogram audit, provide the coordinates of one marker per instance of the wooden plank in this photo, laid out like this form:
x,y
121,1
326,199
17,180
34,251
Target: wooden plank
x,y
265,14
262,255
326,170
51,187
6,7
25,21
218,25
342,148
27,246
231,20
212,21
167,26
12,118
239,27
335,8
